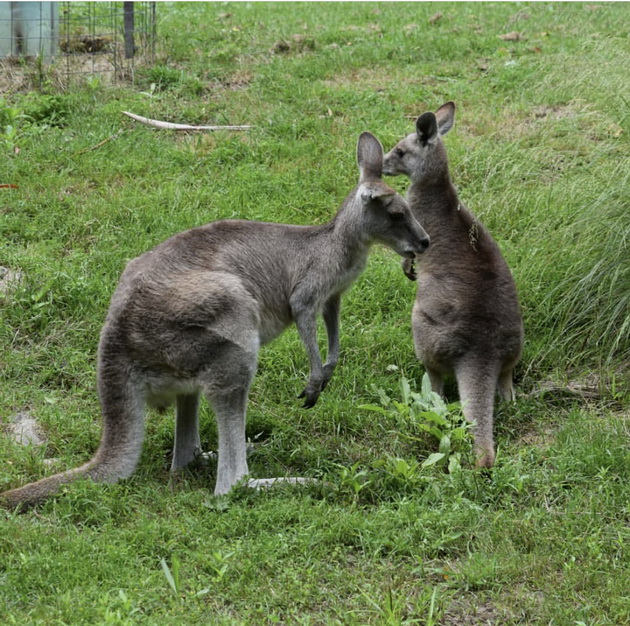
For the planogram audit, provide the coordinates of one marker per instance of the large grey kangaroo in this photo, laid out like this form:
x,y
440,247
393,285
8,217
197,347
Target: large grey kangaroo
x,y
189,317
466,318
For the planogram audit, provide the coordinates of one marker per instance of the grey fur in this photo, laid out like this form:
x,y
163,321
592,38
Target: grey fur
x,y
189,317
466,318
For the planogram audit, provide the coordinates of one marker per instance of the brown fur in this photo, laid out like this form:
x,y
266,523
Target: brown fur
x,y
466,318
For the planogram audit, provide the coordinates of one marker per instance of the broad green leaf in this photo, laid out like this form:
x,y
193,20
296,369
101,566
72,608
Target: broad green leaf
x,y
432,459
453,464
445,444
406,390
432,416
373,407
169,576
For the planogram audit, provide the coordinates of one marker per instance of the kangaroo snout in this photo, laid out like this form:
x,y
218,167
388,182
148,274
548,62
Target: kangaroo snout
x,y
421,246
410,253
393,163
388,168
420,241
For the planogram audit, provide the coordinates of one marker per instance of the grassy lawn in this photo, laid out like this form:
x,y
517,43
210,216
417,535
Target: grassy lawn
x,y
539,151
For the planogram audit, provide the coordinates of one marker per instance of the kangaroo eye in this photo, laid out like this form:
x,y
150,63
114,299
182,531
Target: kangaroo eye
x,y
399,153
396,217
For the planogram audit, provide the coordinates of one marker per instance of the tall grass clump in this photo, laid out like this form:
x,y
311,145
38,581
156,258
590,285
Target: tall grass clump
x,y
580,275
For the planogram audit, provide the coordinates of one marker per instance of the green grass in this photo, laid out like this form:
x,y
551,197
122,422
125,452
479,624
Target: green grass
x,y
539,151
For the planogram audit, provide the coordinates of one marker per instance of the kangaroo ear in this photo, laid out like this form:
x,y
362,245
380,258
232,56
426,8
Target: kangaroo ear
x,y
445,116
370,157
371,191
427,128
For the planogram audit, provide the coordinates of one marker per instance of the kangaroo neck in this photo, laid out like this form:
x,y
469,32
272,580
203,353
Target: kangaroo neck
x,y
438,208
433,200
347,238
441,193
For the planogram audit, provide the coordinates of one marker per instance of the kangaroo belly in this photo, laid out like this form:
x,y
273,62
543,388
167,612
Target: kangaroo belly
x,y
439,341
452,320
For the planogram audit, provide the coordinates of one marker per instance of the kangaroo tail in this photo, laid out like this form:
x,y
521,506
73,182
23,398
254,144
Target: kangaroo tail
x,y
118,453
477,384
29,495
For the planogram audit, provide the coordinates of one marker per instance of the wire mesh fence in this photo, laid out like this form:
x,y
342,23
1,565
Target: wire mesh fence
x,y
61,42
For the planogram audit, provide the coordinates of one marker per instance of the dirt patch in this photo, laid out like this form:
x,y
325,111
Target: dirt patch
x,y
18,74
23,429
468,611
540,438
9,280
588,388
378,79
239,80
295,44
373,27
555,112
13,77
574,115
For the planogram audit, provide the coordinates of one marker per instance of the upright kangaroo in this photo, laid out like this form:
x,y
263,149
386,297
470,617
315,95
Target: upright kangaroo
x,y
189,317
466,317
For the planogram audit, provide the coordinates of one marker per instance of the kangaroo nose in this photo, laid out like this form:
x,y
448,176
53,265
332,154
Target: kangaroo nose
x,y
423,244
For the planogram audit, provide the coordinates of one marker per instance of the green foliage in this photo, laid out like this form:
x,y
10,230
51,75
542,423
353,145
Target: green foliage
x,y
400,528
41,108
163,76
10,118
426,412
8,114
31,116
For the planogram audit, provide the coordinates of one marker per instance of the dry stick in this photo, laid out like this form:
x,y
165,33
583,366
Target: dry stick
x,y
170,126
101,143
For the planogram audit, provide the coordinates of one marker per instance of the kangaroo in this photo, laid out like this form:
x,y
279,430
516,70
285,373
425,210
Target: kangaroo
x,y
466,318
189,317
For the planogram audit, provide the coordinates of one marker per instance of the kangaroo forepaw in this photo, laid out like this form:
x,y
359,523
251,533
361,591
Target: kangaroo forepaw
x,y
310,396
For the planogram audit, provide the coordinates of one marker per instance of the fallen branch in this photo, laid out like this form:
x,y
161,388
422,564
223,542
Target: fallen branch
x,y
9,187
101,143
267,483
170,126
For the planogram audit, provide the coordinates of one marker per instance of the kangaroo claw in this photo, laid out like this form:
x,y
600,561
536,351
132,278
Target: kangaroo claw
x,y
310,398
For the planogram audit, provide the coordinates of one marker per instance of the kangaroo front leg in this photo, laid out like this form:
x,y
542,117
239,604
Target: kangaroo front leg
x,y
305,320
331,319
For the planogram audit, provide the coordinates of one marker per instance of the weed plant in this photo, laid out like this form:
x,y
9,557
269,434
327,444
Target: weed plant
x,y
398,528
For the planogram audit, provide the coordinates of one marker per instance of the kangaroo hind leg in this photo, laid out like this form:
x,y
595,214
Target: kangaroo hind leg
x,y
187,444
505,386
477,387
229,408
437,380
226,386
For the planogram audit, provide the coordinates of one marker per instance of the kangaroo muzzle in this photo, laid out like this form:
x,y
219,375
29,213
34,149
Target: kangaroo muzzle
x,y
419,244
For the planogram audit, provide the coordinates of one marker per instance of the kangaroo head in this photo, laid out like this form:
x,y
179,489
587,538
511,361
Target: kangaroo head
x,y
421,155
386,216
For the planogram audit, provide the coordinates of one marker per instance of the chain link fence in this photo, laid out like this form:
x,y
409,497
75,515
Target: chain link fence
x,y
60,42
